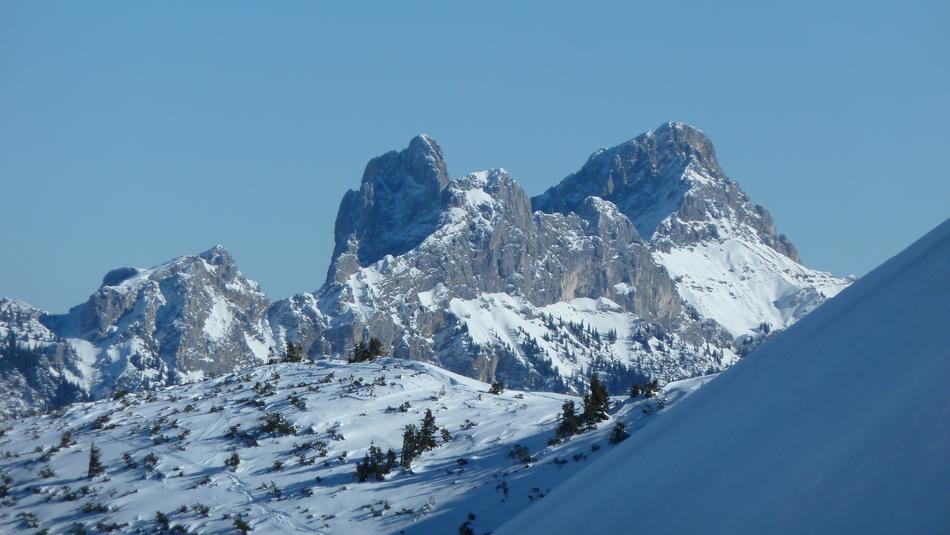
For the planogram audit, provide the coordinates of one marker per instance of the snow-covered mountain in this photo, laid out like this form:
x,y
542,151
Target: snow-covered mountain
x,y
724,252
649,262
39,369
837,425
496,290
482,280
191,317
165,452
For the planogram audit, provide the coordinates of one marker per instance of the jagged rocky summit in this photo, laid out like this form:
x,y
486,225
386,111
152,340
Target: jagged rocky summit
x,y
649,261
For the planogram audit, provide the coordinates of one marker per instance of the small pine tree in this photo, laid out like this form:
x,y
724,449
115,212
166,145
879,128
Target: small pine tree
x,y
596,402
570,421
375,465
619,434
360,352
466,527
363,468
426,440
635,390
162,519
376,348
650,388
95,464
293,352
497,387
233,461
408,447
391,462
363,352
241,525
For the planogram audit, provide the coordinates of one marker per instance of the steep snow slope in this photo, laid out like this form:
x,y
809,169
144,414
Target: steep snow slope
x,y
339,409
743,283
841,424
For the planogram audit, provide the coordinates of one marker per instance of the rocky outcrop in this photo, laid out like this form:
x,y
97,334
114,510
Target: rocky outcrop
x,y
397,204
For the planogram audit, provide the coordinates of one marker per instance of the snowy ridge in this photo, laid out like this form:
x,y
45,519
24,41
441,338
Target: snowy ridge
x,y
339,410
801,436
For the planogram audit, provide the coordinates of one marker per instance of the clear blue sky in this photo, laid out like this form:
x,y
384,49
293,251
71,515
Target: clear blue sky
x,y
134,132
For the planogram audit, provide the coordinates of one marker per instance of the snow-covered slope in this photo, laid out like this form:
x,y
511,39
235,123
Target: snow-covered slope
x,y
841,424
339,410
745,285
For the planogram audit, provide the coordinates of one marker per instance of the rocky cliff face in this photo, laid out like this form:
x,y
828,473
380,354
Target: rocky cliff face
x,y
397,204
489,251
649,261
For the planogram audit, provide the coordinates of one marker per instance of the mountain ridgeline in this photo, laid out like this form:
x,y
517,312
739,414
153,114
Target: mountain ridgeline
x,y
647,262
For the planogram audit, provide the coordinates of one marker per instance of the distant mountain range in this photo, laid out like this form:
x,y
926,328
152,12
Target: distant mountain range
x,y
647,262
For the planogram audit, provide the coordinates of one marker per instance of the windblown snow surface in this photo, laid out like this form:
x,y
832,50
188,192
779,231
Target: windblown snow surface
x,y
841,424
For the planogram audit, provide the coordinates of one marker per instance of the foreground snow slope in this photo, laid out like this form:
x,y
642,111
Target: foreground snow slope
x,y
339,409
839,425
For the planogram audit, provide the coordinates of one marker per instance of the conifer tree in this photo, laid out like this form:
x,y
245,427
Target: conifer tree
x,y
391,462
570,422
363,352
596,402
619,434
635,390
233,461
376,348
375,465
359,352
426,440
95,464
408,447
293,352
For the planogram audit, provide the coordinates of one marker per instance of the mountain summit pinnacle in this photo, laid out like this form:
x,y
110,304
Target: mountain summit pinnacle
x,y
671,186
396,206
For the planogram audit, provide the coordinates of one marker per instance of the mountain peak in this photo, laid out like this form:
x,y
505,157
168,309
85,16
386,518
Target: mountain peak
x,y
668,181
217,256
421,163
397,204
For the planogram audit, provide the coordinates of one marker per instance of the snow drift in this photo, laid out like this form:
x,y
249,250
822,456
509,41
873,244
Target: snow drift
x,y
841,424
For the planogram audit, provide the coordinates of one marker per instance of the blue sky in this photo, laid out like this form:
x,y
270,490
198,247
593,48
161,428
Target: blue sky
x,y
131,133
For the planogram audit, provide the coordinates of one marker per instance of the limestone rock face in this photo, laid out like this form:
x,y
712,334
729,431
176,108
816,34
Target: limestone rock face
x,y
397,204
